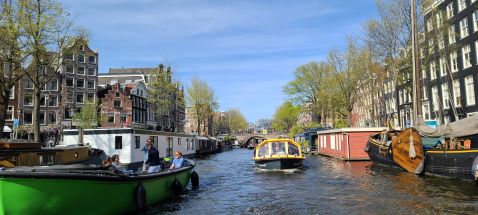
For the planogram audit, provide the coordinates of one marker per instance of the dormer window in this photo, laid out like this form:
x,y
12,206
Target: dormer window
x,y
92,59
117,103
117,94
82,48
81,58
69,56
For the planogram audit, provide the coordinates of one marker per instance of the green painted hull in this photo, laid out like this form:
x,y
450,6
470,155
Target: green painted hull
x,y
77,194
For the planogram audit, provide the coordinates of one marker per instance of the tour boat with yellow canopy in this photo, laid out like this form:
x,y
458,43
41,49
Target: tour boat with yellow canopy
x,y
278,154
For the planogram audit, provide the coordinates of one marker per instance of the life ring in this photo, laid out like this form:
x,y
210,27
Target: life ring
x,y
195,179
177,187
141,201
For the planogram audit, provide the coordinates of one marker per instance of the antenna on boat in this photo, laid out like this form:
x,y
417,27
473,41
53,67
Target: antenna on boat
x,y
417,112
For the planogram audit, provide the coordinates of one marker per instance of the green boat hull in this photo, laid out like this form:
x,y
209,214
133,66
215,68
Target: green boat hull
x,y
44,193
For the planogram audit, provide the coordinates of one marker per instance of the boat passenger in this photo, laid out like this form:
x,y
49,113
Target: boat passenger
x,y
278,150
153,158
178,161
145,151
106,162
116,163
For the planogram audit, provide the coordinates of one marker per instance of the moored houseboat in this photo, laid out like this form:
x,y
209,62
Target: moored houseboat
x,y
278,154
345,143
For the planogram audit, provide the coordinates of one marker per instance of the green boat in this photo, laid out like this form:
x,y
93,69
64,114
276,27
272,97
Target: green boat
x,y
87,190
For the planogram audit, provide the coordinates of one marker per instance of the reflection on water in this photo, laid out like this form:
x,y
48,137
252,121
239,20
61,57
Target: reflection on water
x,y
230,184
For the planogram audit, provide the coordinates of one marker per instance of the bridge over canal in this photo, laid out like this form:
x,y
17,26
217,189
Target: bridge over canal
x,y
247,139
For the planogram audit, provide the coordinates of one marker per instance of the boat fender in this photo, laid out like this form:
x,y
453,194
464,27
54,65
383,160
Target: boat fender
x,y
140,197
367,147
177,187
195,179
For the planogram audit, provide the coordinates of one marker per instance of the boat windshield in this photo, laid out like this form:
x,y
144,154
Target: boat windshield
x,y
293,149
264,150
278,148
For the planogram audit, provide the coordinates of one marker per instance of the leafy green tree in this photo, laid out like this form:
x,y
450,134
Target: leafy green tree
x,y
285,117
234,120
88,117
203,101
162,91
48,35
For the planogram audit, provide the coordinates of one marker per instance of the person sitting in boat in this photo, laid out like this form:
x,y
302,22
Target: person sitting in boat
x,y
153,158
178,161
278,150
116,163
106,162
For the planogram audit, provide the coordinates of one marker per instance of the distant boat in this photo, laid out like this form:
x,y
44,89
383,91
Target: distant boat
x,y
27,153
278,154
76,190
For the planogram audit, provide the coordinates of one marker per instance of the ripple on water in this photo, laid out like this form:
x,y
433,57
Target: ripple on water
x,y
230,184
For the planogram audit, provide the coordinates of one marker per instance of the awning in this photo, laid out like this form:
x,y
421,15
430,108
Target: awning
x,y
7,129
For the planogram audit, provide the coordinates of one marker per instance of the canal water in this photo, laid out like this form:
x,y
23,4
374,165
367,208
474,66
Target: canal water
x,y
229,184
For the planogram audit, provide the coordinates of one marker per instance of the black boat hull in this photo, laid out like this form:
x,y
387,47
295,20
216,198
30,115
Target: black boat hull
x,y
380,154
288,163
451,163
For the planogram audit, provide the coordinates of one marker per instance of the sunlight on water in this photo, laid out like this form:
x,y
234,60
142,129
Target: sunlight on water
x,y
231,184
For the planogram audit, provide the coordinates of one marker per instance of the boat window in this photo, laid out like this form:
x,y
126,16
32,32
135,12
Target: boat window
x,y
293,149
278,148
264,150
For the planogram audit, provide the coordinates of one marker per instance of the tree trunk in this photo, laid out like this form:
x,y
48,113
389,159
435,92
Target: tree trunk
x,y
3,113
36,114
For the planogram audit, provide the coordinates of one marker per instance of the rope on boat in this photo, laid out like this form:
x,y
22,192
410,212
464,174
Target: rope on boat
x,y
411,152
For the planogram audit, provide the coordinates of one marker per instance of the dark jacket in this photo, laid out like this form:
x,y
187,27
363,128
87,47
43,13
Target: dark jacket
x,y
153,157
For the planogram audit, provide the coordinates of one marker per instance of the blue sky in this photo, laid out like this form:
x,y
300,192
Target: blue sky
x,y
245,50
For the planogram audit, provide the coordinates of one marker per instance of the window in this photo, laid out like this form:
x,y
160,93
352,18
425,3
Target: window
x,y
91,71
475,20
118,142
445,96
111,117
449,10
123,118
457,92
81,58
42,118
80,83
117,94
441,42
27,117
52,100
137,143
461,5
82,48
435,98
69,69
91,84
91,96
470,90
28,84
68,113
28,99
426,110
439,17
81,70
69,82
463,27
442,66
69,56
451,34
10,112
429,25
424,74
79,97
433,74
92,59
179,141
431,49
422,53
454,62
12,93
52,85
466,56
424,91
117,103
51,117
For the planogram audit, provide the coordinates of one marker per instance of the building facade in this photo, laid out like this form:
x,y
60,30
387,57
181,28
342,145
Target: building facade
x,y
448,52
